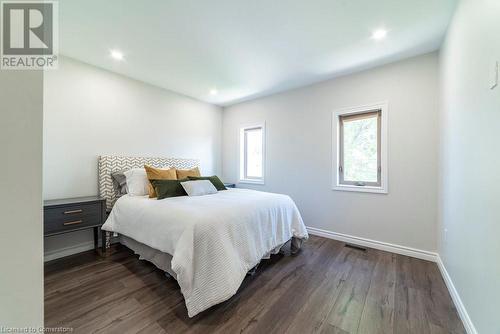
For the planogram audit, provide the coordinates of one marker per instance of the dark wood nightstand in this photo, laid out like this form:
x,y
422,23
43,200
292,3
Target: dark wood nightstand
x,y
75,214
230,185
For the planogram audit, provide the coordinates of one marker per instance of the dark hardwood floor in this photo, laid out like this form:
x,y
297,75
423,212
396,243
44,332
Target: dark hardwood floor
x,y
327,288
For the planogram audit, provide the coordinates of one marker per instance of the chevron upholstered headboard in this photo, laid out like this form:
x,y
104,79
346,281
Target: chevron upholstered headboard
x,y
110,164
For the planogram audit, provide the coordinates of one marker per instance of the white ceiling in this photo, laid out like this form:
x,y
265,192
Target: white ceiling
x,y
247,49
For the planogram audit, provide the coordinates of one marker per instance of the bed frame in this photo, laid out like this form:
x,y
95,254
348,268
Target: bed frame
x,y
109,164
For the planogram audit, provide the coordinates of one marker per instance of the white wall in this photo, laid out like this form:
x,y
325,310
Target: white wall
x,y
90,112
299,151
21,278
469,197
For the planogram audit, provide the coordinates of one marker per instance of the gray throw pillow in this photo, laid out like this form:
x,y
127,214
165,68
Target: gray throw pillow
x,y
119,183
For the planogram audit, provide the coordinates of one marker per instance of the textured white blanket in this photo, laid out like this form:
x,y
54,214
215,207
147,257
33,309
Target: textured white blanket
x,y
214,239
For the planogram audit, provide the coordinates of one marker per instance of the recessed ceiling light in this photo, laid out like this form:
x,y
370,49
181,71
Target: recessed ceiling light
x,y
213,91
115,54
379,34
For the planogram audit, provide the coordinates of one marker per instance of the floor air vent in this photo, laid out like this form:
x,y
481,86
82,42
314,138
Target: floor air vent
x,y
355,247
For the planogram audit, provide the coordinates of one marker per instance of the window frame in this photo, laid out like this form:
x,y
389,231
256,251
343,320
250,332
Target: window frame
x,y
242,168
338,183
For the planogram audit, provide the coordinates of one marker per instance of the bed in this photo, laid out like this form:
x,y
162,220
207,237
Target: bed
x,y
207,243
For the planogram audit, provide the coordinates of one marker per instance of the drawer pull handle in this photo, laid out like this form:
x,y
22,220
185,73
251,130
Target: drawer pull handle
x,y
73,223
73,211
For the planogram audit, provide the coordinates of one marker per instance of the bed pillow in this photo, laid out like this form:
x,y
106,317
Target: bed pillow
x,y
158,174
199,187
184,173
218,184
119,183
169,188
137,181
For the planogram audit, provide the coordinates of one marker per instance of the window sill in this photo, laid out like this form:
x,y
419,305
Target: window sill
x,y
362,189
251,181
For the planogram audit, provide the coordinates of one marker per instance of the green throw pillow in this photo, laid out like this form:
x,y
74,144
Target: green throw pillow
x,y
169,188
214,179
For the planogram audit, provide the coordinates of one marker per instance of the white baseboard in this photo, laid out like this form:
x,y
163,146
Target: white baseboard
x,y
75,249
398,249
66,251
459,305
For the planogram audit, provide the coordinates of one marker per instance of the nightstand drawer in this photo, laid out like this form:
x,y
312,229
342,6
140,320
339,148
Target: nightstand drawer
x,y
57,219
68,225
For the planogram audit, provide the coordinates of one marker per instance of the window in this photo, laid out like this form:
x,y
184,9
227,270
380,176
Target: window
x,y
252,148
360,143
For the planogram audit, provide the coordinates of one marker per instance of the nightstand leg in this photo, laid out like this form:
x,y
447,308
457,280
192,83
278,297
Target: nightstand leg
x,y
96,238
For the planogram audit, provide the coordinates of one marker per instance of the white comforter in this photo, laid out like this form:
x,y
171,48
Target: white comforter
x,y
214,239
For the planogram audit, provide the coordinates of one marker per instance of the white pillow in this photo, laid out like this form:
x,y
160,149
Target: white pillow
x,y
199,187
137,182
